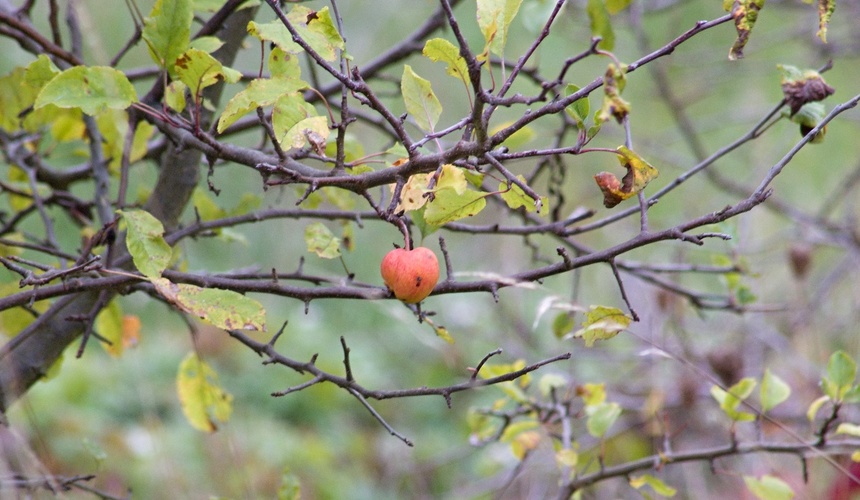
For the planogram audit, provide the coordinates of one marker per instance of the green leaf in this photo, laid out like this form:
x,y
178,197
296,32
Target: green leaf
x,y
259,93
443,334
294,121
90,88
656,484
773,391
562,324
745,14
208,44
601,417
808,117
198,70
601,25
441,50
422,225
769,488
321,241
167,31
145,242
420,100
847,428
315,27
616,6
815,406
841,372
494,19
221,308
602,323
578,109
448,206
109,326
203,401
731,399
515,198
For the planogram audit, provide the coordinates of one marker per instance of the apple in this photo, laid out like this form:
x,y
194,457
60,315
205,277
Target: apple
x,y
410,274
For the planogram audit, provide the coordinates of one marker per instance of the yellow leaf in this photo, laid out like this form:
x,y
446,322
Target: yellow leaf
x,y
203,401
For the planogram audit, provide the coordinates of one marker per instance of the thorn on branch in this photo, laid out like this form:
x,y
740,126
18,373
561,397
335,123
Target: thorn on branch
x,y
296,388
277,335
346,363
568,263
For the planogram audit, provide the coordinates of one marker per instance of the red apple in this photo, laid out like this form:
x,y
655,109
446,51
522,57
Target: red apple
x,y
410,274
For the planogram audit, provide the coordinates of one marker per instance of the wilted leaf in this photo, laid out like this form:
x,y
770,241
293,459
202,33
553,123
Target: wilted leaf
x,y
203,401
421,103
145,242
321,241
90,88
801,87
639,174
825,10
613,106
412,194
745,13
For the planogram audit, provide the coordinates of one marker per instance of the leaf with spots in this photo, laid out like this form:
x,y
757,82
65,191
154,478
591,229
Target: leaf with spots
x,y
221,308
639,174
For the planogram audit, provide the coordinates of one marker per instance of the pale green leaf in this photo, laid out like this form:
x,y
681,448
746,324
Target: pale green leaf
x,y
259,93
145,242
203,401
656,484
815,406
769,488
730,400
208,44
773,391
578,109
551,381
109,325
441,50
167,31
494,19
452,177
592,394
448,206
90,88
321,241
847,428
601,417
314,27
420,100
295,121
601,25
515,198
